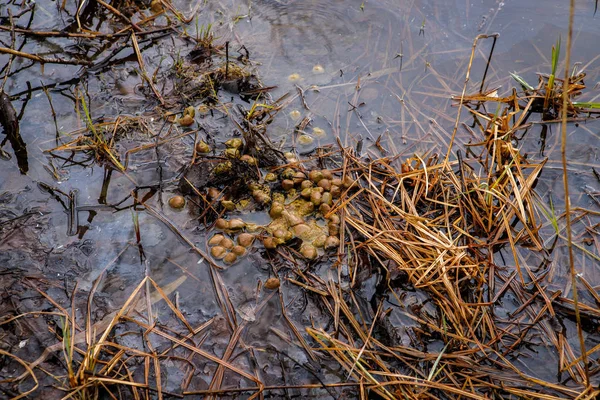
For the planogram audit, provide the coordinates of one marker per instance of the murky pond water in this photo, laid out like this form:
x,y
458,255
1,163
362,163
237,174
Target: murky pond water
x,y
379,73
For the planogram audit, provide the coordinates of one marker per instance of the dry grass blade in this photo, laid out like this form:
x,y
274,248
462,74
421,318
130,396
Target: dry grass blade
x,y
193,349
138,53
346,357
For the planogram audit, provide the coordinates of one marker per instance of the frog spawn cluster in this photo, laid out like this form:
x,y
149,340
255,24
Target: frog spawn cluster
x,y
302,209
294,215
224,248
232,151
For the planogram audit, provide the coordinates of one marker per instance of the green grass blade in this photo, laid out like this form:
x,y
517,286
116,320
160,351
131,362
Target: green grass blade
x,y
583,104
437,361
555,57
522,82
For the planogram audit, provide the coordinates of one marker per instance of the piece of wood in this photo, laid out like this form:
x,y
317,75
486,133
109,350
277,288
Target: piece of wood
x,y
10,124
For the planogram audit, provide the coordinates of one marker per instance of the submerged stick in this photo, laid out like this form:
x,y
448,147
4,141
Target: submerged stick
x,y
487,65
10,123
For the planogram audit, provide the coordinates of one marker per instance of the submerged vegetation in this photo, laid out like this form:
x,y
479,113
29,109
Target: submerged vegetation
x,y
372,273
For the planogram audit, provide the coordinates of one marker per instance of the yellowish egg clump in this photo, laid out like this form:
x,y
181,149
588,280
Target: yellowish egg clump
x,y
305,139
318,132
177,202
318,69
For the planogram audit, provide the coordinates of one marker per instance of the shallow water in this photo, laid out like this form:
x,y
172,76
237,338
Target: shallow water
x,y
407,57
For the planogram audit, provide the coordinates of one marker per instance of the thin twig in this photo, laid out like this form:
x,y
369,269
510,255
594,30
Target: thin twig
x,y
44,60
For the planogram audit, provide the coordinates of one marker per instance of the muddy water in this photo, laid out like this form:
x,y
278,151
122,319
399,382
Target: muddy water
x,y
407,57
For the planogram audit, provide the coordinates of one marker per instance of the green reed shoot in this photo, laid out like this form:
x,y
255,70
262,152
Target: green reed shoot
x,y
526,86
550,86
